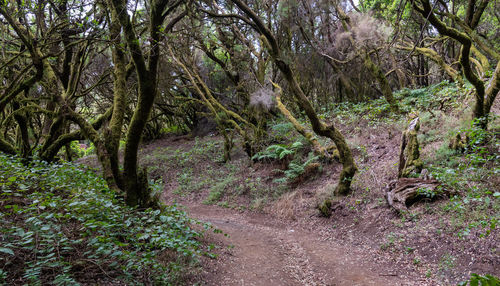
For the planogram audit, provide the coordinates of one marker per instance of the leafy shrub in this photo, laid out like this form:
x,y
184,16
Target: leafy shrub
x,y
486,280
61,225
482,144
476,209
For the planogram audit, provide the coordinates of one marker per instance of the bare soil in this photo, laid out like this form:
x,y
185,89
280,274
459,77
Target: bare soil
x,y
265,251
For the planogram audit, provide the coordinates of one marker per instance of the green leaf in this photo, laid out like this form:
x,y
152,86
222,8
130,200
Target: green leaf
x,y
7,251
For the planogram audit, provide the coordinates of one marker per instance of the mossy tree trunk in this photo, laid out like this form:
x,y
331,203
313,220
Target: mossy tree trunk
x,y
7,148
114,133
379,75
484,96
409,157
135,182
348,166
435,57
222,115
51,151
318,149
22,122
135,193
256,118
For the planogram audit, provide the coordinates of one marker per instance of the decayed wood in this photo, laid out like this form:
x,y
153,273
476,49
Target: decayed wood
x,y
409,158
459,143
402,193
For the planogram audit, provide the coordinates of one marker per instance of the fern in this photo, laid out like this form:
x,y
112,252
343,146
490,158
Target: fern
x,y
278,152
296,145
295,170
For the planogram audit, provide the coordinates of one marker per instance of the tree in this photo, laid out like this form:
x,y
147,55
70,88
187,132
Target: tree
x,y
319,127
135,182
486,89
63,81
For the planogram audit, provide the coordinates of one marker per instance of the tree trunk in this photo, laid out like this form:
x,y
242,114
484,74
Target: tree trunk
x,y
318,149
119,99
382,80
23,129
409,157
135,181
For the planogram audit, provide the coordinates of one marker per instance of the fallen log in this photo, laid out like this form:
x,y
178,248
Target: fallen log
x,y
402,193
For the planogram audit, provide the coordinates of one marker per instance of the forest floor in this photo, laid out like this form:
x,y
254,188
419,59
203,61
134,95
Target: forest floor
x,y
275,234
266,251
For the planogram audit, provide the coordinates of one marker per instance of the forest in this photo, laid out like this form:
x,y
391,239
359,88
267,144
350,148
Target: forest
x,y
249,142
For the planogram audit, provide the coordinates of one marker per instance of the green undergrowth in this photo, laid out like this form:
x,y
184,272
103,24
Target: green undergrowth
x,y
61,225
443,96
483,280
199,167
473,174
291,156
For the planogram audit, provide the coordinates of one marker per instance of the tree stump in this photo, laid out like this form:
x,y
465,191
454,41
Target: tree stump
x,y
404,192
409,157
459,143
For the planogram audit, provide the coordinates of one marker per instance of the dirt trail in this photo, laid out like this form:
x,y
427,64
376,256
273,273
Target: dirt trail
x,y
267,252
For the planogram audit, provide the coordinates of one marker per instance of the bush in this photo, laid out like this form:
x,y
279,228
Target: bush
x,y
61,225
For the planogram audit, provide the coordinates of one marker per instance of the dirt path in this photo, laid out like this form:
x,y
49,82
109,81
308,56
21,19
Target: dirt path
x,y
267,252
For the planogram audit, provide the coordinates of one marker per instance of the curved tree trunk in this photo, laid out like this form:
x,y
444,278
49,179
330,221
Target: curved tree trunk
x,y
381,79
318,149
484,96
23,130
6,147
348,166
435,57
